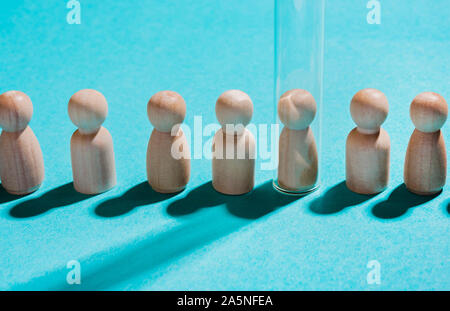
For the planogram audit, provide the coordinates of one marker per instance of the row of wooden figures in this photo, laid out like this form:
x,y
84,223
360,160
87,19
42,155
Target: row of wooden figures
x,y
93,166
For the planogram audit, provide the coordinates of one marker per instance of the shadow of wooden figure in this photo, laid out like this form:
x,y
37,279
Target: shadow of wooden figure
x,y
55,198
253,205
6,197
139,195
262,201
190,234
336,199
399,202
204,196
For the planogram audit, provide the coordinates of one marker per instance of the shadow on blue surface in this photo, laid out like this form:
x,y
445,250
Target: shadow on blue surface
x,y
103,271
261,201
203,196
399,202
448,208
6,197
336,199
55,198
139,195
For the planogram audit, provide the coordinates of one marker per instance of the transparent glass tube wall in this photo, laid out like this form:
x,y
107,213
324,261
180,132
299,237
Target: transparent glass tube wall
x,y
299,36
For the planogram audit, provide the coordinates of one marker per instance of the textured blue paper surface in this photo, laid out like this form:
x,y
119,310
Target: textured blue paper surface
x,y
133,238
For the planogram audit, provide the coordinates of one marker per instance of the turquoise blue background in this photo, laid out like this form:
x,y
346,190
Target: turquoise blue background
x,y
132,238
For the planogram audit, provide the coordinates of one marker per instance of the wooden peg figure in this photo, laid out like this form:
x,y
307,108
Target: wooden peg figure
x,y
91,145
233,163
368,145
298,160
168,153
425,169
21,161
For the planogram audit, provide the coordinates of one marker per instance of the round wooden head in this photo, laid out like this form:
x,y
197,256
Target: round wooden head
x,y
234,110
297,109
369,109
165,110
429,112
88,110
16,111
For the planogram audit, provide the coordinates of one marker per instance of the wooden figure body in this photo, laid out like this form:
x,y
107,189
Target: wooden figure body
x,y
21,161
91,146
425,169
367,161
298,159
168,153
368,146
167,174
233,163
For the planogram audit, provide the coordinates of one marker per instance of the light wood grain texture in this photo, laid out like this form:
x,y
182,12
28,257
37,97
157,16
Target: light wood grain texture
x,y
298,158
88,110
426,163
93,163
429,112
22,164
21,160
91,146
297,109
367,161
234,110
425,170
168,153
368,146
16,110
369,109
166,173
233,163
